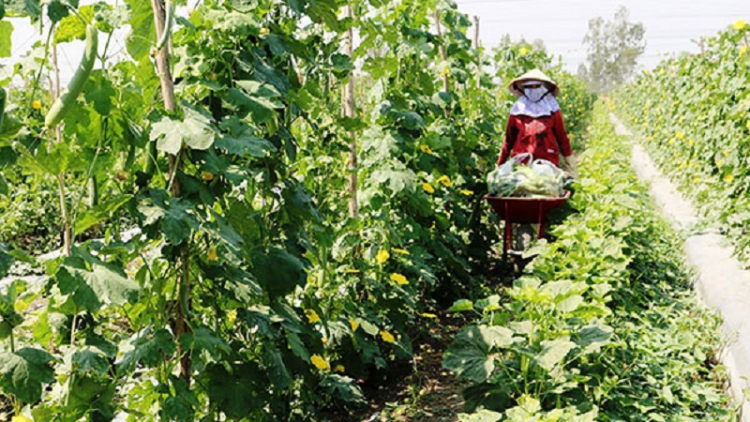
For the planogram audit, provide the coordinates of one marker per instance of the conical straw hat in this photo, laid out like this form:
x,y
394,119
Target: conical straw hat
x,y
532,75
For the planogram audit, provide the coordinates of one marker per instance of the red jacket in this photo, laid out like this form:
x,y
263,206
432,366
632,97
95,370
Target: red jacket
x,y
544,137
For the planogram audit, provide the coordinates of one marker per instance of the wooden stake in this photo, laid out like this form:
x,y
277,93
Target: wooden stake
x,y
479,55
441,47
175,162
349,111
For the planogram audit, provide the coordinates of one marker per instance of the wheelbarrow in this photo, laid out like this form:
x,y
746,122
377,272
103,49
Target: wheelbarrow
x,y
523,211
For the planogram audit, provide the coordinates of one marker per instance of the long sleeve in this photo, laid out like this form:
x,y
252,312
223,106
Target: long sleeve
x,y
561,135
511,133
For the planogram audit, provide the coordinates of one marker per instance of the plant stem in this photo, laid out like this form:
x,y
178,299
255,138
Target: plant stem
x,y
73,330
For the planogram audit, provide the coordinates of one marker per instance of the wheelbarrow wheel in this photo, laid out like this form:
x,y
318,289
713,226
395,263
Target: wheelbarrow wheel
x,y
523,236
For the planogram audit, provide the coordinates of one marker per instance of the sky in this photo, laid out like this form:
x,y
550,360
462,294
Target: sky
x,y
671,26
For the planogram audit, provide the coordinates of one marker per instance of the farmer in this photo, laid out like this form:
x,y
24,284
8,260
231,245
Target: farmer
x,y
535,124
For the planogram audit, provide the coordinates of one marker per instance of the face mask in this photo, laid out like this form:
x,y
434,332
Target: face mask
x,y
535,94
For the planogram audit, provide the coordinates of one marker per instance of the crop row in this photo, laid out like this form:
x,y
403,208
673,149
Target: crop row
x,y
257,290
691,113
603,325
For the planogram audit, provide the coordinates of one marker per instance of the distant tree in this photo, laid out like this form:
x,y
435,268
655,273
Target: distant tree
x,y
613,48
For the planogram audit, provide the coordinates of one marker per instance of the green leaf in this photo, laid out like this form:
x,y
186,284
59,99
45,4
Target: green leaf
x,y
6,259
569,304
368,327
6,30
203,338
276,368
234,391
93,284
592,337
469,355
243,23
100,212
142,34
396,175
90,361
24,372
181,404
341,63
258,99
100,92
9,318
342,388
241,141
483,415
194,130
279,272
553,353
150,347
56,11
461,305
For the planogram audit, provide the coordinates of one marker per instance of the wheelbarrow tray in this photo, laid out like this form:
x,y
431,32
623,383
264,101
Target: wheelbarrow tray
x,y
523,211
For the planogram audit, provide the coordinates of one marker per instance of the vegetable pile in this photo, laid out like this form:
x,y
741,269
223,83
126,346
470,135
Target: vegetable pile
x,y
515,179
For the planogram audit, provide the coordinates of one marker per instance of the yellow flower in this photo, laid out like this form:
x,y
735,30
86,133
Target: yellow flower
x,y
426,149
382,256
728,178
399,279
324,340
21,418
212,254
428,188
445,180
339,368
690,142
232,315
320,363
312,316
387,337
264,31
743,50
351,271
740,25
719,163
354,324
428,315
680,135
401,251
748,125
36,105
524,51
207,176
466,192
445,72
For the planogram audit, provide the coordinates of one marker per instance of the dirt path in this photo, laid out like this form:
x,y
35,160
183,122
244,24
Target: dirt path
x,y
721,282
420,392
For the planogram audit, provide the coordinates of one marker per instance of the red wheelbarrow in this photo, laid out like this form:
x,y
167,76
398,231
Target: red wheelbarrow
x,y
523,210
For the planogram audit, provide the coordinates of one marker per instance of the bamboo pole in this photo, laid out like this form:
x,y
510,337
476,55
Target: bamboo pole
x,y
479,54
182,305
349,111
441,48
